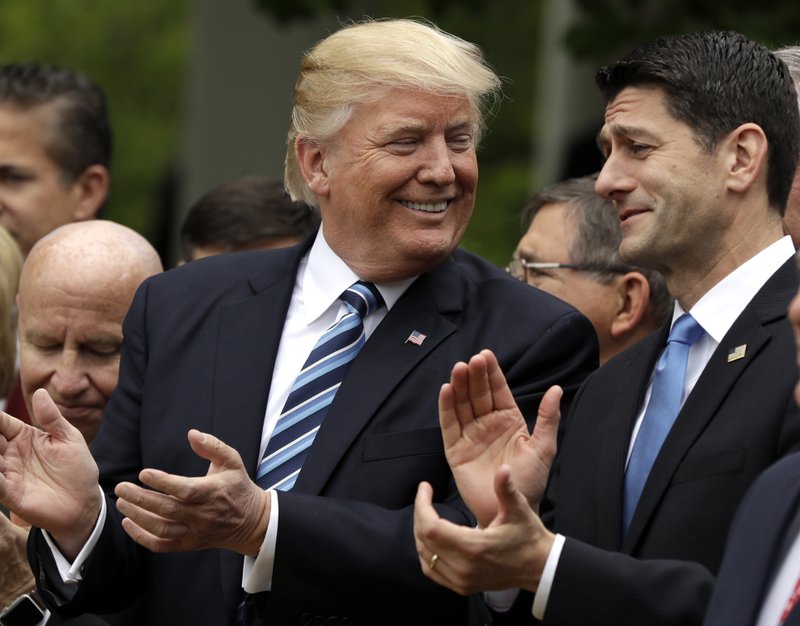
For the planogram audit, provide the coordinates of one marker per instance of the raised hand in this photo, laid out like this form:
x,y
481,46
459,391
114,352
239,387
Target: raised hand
x,y
48,477
510,552
483,428
223,509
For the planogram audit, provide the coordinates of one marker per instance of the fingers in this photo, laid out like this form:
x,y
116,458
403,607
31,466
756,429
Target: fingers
x,y
502,398
425,517
153,542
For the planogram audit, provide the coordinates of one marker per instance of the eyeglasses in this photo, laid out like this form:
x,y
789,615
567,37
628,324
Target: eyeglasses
x,y
519,268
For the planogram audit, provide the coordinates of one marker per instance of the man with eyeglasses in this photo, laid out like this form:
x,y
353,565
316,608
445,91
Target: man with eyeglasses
x,y
571,250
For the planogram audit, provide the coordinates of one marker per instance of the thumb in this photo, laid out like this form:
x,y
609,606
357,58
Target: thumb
x,y
214,450
545,431
49,418
511,503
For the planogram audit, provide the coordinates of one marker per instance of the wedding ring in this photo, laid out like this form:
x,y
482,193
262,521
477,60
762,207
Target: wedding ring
x,y
433,561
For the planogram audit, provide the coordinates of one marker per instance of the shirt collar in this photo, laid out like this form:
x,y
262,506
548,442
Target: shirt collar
x,y
325,276
719,308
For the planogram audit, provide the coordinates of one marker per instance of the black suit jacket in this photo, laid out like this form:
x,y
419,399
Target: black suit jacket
x,y
200,344
739,419
760,535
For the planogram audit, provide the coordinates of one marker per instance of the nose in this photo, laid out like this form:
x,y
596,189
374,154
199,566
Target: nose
x,y
437,165
69,379
613,180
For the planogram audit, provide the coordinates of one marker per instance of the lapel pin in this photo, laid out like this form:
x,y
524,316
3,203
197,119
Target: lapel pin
x,y
737,353
416,338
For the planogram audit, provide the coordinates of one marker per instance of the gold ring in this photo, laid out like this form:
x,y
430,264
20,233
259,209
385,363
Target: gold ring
x,y
433,561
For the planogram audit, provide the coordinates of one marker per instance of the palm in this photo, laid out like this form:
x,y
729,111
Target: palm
x,y
48,478
483,429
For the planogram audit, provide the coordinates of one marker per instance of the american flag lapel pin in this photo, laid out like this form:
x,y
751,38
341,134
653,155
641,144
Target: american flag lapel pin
x,y
737,353
416,338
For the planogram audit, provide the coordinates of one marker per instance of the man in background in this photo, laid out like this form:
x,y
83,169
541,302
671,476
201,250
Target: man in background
x,y
571,249
55,149
75,288
248,213
55,155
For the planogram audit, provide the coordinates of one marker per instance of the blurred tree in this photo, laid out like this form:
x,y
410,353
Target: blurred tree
x,y
606,29
509,32
136,51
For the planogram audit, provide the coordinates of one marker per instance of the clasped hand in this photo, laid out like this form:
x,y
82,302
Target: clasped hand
x,y
223,509
501,471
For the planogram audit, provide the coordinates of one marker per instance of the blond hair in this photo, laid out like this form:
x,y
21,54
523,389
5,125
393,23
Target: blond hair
x,y
10,266
362,61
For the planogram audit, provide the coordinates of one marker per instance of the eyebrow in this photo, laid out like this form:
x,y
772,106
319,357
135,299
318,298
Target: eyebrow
x,y
620,130
417,126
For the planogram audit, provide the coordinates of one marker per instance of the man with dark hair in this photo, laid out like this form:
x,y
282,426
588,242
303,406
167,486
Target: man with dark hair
x,y
248,213
55,149
571,249
55,154
701,139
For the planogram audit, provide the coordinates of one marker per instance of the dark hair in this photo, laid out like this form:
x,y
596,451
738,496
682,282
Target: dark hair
x,y
714,82
81,134
597,235
243,211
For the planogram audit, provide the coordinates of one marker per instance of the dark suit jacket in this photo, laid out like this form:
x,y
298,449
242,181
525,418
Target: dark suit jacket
x,y
200,344
759,537
739,419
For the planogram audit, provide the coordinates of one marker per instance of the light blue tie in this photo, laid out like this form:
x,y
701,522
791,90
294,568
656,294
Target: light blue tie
x,y
665,402
314,389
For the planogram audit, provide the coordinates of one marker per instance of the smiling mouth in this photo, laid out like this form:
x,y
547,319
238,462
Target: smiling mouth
x,y
427,207
626,215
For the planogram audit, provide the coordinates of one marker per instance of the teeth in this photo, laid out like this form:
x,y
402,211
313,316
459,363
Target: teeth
x,y
436,207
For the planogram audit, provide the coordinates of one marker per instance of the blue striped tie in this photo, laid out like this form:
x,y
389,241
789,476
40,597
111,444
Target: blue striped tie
x,y
314,389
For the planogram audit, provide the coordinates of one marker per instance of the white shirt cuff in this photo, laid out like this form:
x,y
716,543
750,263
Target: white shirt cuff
x,y
548,575
500,601
257,572
71,572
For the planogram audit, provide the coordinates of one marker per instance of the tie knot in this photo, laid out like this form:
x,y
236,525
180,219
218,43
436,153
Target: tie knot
x,y
686,330
363,297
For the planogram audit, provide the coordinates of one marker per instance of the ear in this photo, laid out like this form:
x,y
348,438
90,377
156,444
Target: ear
x,y
745,156
633,292
91,189
311,158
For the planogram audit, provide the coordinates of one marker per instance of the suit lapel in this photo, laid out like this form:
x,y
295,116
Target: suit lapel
x,y
635,370
712,388
249,333
383,363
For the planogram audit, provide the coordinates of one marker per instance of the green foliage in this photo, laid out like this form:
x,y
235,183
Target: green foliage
x,y
606,29
136,51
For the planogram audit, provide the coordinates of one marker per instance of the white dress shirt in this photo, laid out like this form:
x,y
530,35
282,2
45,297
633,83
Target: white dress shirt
x,y
716,312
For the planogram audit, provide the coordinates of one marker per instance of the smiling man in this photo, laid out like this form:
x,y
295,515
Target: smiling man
x,y
701,144
306,378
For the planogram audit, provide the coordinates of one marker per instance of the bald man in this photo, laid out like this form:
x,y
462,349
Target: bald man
x,y
75,288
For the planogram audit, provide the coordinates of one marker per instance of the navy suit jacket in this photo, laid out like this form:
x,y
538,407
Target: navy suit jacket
x,y
759,538
739,419
199,348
